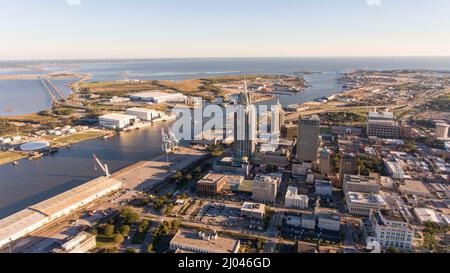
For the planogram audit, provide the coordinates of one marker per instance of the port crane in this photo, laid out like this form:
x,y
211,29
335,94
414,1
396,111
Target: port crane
x,y
170,142
102,166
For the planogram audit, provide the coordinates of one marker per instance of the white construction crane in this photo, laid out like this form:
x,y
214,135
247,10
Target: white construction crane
x,y
104,167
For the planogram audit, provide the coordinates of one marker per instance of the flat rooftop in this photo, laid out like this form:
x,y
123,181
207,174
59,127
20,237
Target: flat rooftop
x,y
427,215
253,207
76,195
323,183
142,110
212,178
211,245
19,221
117,116
361,179
385,115
155,94
365,198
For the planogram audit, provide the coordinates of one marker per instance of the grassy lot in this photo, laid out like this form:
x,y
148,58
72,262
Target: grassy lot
x,y
7,157
246,186
105,242
75,138
32,118
206,87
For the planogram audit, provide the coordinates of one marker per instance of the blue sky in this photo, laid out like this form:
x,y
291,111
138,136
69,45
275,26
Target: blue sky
x,y
42,29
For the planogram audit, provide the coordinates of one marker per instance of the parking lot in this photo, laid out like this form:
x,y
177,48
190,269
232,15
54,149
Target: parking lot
x,y
219,214
298,233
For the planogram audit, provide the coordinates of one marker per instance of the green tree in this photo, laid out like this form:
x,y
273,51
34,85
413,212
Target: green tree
x,y
177,176
189,178
125,230
150,248
118,238
130,250
108,230
130,216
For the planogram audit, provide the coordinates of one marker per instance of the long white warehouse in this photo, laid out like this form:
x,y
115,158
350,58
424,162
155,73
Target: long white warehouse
x,y
145,114
35,217
117,121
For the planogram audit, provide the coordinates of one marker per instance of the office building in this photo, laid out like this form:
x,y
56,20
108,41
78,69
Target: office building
x,y
324,188
362,204
325,162
245,126
211,184
308,139
349,165
442,130
394,170
390,229
295,200
383,125
265,188
203,242
361,184
277,118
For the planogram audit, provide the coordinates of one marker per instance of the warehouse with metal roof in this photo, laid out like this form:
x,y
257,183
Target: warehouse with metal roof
x,y
38,216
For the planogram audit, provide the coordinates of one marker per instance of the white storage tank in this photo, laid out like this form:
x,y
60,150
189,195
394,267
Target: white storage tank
x,y
6,141
34,146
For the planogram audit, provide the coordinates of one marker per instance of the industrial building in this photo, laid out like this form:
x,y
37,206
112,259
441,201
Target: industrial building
x,y
145,114
81,243
38,216
158,97
117,121
295,200
329,222
203,242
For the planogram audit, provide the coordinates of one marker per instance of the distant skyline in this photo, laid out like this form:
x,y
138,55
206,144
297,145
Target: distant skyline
x,y
113,29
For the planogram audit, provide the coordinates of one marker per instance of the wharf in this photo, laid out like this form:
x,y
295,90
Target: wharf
x,y
144,175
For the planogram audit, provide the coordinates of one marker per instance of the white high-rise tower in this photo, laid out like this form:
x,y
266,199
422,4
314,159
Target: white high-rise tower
x,y
245,126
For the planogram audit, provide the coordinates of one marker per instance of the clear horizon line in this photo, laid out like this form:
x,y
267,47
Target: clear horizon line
x,y
241,57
